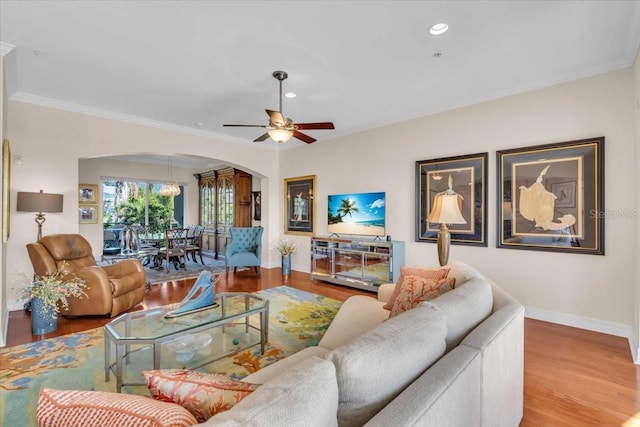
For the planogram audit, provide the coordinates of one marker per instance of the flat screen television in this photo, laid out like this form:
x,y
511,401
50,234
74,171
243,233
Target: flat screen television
x,y
356,213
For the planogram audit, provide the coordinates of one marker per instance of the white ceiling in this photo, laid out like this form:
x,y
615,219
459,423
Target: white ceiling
x,y
360,64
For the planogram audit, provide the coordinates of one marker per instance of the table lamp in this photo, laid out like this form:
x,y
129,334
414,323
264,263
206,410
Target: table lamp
x,y
446,210
39,203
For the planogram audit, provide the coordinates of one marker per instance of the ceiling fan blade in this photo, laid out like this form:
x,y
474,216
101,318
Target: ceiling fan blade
x,y
276,117
319,125
302,137
248,126
262,137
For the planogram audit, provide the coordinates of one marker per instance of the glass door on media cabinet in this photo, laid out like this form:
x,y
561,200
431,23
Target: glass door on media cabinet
x,y
322,257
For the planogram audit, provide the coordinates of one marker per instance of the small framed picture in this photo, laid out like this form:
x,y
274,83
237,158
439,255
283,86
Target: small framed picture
x,y
299,206
88,214
87,193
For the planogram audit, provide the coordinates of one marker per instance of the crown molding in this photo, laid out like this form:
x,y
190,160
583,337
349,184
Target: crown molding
x,y
112,115
5,48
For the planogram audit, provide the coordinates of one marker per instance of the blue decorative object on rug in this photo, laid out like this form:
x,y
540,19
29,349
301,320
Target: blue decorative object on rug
x,y
43,317
205,299
286,264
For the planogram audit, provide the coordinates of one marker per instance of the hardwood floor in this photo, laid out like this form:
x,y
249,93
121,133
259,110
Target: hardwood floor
x,y
573,377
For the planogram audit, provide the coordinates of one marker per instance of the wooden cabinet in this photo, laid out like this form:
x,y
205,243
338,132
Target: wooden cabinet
x,y
363,264
225,201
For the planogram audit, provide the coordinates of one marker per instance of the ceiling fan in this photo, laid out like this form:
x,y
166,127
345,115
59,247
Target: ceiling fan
x,y
281,128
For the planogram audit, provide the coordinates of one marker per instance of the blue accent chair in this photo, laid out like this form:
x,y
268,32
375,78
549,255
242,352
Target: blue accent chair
x,y
245,248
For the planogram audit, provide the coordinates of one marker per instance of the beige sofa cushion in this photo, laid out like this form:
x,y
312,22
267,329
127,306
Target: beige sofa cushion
x,y
403,346
305,395
462,272
357,315
464,308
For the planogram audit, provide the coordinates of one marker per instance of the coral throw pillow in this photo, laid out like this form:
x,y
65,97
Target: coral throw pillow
x,y
416,289
202,394
427,273
81,408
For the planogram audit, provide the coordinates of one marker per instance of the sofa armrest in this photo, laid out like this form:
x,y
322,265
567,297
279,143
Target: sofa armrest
x,y
124,268
384,291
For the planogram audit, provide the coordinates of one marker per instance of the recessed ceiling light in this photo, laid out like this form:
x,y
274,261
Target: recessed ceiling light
x,y
438,29
290,95
198,124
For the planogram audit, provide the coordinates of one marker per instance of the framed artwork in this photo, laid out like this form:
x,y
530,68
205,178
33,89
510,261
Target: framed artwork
x,y
6,186
551,197
88,214
257,205
468,176
299,205
87,193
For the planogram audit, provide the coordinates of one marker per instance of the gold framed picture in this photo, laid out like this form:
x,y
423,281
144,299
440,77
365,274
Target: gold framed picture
x,y
88,214
299,205
87,193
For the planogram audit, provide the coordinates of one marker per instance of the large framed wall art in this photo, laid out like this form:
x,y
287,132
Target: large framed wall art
x,y
468,175
551,197
299,205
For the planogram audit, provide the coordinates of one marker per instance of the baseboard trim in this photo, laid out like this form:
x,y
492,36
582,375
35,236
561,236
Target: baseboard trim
x,y
602,326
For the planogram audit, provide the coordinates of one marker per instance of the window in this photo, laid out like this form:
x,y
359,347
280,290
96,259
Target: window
x,y
136,203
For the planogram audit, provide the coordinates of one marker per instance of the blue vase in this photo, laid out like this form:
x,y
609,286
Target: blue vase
x,y
43,318
286,264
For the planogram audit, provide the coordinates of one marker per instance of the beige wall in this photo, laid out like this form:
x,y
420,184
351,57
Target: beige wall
x,y
636,323
587,290
52,141
4,313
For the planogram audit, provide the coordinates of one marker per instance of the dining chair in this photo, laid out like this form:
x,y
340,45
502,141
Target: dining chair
x,y
174,249
194,242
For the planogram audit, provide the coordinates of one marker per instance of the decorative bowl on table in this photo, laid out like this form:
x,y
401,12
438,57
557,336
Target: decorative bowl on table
x,y
187,346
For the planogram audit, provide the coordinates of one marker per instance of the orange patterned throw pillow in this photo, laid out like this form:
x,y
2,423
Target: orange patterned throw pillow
x,y
416,289
81,408
202,394
427,273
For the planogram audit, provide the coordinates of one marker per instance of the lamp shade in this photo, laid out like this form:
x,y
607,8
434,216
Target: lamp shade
x,y
280,135
39,202
446,210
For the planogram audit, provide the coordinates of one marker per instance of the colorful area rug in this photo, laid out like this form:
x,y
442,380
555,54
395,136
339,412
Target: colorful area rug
x,y
297,319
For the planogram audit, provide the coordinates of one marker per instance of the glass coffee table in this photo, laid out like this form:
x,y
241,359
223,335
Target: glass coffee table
x,y
145,340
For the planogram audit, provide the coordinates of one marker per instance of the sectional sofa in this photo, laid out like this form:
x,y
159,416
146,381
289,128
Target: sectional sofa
x,y
456,360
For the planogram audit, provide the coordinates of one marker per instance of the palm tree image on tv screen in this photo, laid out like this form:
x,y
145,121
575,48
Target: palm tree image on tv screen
x,y
357,213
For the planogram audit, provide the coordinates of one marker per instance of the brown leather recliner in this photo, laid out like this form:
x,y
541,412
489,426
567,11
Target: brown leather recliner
x,y
110,289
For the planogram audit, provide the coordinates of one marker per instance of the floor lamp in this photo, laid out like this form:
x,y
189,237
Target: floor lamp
x,y
446,210
39,203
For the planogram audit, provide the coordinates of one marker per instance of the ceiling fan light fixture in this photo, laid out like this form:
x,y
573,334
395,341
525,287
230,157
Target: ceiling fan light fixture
x,y
439,28
280,135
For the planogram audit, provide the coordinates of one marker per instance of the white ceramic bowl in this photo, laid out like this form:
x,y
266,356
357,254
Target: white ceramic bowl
x,y
187,346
